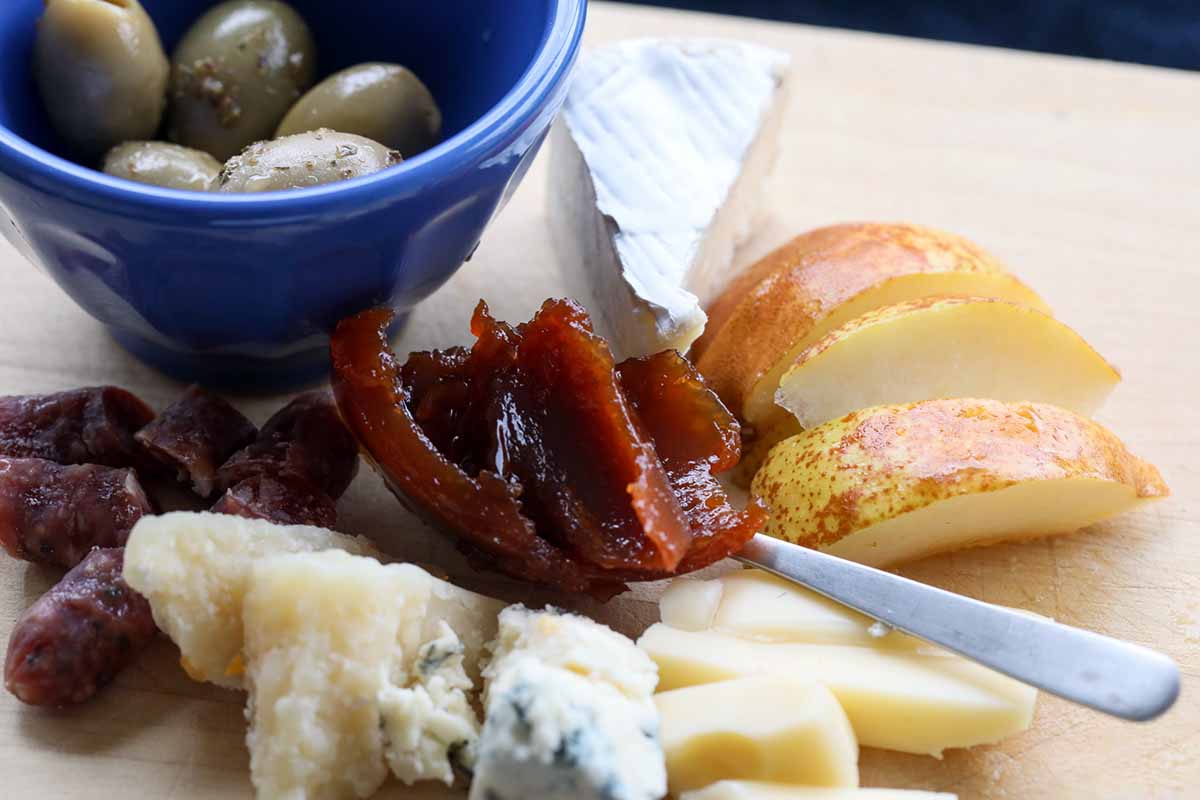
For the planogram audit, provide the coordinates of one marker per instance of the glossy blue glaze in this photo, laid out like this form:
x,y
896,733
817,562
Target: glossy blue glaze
x,y
243,290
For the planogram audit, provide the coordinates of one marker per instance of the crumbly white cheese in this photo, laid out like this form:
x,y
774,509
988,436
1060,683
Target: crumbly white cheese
x,y
353,667
336,698
569,714
193,569
659,157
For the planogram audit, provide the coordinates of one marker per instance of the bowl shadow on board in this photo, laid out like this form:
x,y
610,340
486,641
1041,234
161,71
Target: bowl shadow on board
x,y
243,291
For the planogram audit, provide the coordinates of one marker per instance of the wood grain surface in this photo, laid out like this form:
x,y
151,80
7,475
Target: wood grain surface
x,y
1083,176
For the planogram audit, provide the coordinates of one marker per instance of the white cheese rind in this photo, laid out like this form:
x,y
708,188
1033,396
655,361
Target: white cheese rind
x,y
659,157
568,714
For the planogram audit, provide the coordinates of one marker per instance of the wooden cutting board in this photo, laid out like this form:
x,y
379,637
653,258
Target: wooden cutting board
x,y
1083,176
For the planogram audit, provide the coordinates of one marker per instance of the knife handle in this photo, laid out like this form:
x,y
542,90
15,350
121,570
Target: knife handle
x,y
1108,675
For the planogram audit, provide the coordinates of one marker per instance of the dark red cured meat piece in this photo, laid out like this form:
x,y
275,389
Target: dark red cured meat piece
x,y
93,425
564,431
305,439
285,500
56,514
483,510
195,435
697,438
76,638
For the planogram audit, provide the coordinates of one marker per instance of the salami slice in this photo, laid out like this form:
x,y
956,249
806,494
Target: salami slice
x,y
55,514
76,638
196,435
93,425
305,439
282,499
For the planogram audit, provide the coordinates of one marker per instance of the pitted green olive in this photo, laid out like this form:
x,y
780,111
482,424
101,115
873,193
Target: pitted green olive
x,y
101,71
304,160
236,73
163,164
384,102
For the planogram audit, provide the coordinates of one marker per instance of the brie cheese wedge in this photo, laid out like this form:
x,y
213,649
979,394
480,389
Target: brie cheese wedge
x,y
661,152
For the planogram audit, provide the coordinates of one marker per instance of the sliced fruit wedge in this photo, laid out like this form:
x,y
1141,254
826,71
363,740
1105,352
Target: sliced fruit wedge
x,y
946,347
896,483
822,280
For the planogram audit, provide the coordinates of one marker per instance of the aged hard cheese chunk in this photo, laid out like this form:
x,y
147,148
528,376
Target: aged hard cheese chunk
x,y
661,152
193,569
321,631
751,790
351,672
773,728
914,701
569,714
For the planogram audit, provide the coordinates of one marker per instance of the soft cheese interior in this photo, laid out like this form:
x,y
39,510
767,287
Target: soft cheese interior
x,y
660,156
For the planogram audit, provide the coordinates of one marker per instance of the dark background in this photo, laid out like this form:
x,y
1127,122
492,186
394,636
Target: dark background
x,y
1161,32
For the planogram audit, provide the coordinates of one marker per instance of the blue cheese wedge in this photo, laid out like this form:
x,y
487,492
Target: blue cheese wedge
x,y
569,714
659,158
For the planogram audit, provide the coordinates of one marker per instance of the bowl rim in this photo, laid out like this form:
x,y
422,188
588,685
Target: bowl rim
x,y
517,108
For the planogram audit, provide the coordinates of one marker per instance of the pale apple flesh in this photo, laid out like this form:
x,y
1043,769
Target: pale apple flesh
x,y
821,280
945,347
759,407
894,483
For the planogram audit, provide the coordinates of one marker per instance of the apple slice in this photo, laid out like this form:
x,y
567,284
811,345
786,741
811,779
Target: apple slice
x,y
895,483
822,280
946,347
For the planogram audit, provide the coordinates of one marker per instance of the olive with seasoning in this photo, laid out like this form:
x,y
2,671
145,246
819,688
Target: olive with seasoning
x,y
235,74
101,71
384,102
163,164
304,160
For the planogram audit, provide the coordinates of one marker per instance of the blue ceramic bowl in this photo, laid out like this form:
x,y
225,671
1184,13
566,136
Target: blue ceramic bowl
x,y
243,290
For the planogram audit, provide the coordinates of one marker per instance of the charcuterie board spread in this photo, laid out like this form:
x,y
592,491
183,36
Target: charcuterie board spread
x,y
832,352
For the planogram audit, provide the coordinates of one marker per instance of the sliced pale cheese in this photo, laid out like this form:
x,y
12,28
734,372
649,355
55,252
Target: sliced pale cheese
x,y
756,605
769,728
946,347
659,158
193,568
751,790
914,701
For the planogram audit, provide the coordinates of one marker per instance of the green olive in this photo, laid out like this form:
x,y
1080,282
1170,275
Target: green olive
x,y
163,164
384,102
235,74
101,71
303,160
